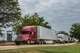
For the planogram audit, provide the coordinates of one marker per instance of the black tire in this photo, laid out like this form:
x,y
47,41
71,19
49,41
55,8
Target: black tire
x,y
17,42
41,41
29,42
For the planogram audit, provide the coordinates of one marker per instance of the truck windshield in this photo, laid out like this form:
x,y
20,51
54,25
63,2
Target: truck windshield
x,y
26,32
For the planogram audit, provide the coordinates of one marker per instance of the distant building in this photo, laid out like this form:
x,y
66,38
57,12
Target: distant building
x,y
8,34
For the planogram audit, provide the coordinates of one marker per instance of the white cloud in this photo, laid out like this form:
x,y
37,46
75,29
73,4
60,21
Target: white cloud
x,y
31,6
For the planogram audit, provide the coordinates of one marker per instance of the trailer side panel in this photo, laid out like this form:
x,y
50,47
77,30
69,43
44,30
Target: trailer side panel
x,y
44,33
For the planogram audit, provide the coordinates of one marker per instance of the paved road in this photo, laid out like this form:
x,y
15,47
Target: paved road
x,y
26,46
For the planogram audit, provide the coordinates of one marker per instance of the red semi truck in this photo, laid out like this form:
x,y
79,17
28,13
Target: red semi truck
x,y
36,34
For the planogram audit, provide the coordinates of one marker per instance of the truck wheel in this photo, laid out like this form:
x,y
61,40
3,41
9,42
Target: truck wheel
x,y
28,42
53,41
17,43
36,42
42,41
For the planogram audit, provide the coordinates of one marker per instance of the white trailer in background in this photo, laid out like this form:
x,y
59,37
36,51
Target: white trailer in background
x,y
74,39
64,38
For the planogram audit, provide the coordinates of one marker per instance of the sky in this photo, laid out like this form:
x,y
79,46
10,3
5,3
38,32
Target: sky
x,y
60,14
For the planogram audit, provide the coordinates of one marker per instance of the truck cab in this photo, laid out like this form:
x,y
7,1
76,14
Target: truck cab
x,y
28,34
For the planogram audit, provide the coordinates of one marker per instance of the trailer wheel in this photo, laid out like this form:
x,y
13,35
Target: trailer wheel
x,y
54,41
38,42
41,41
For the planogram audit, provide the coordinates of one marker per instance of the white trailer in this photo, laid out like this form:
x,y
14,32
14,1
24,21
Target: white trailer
x,y
63,38
45,33
48,35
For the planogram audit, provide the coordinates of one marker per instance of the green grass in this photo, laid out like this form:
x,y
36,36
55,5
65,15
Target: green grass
x,y
48,49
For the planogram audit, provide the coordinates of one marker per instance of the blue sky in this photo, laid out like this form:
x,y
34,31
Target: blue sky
x,y
60,14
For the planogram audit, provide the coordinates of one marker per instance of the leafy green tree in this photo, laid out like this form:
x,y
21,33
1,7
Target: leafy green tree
x,y
62,32
0,32
9,11
31,20
75,30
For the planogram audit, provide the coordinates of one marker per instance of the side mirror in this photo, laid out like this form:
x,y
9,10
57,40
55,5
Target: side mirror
x,y
32,33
